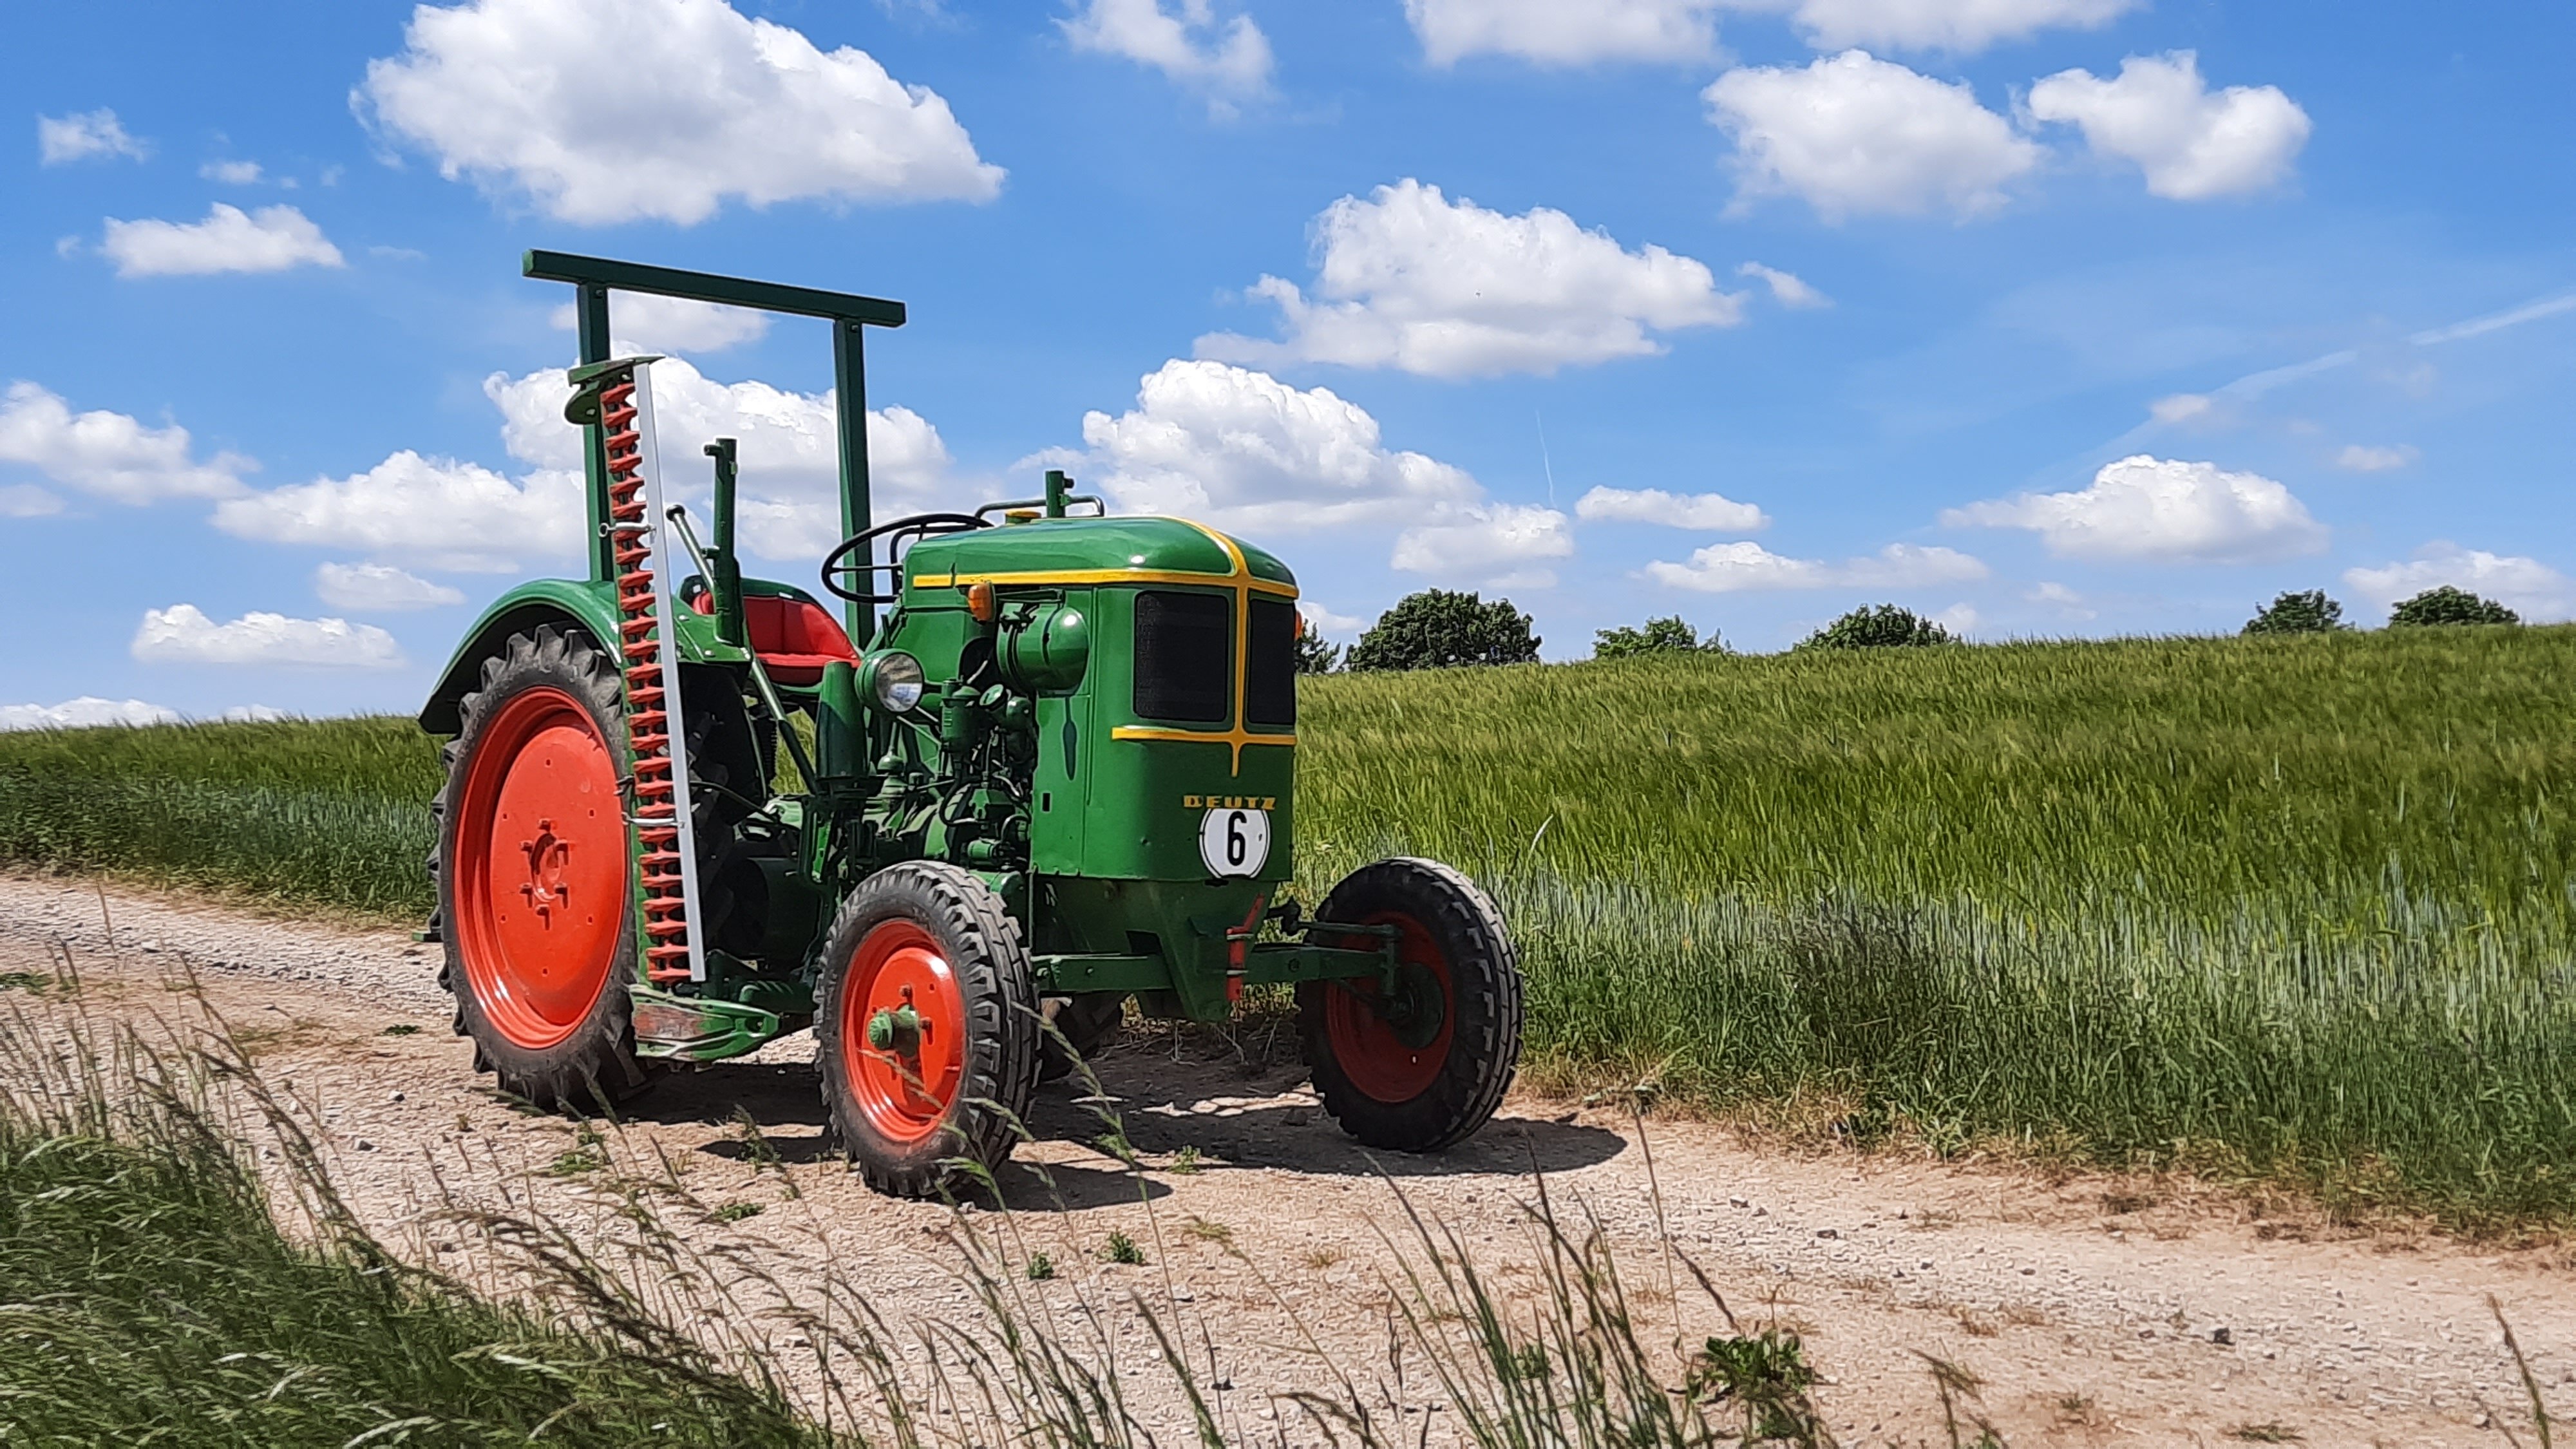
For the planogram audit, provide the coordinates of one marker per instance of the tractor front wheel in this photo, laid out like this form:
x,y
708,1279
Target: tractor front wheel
x,y
534,876
927,1027
1421,1066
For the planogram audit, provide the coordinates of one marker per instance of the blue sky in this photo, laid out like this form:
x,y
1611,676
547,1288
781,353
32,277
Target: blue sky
x,y
2051,317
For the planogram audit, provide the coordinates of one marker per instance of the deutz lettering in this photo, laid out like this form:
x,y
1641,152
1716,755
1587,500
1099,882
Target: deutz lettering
x,y
1230,802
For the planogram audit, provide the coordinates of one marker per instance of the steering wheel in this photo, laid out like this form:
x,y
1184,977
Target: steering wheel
x,y
860,574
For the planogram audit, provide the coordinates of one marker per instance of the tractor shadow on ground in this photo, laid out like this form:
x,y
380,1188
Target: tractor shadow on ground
x,y
1249,1114
1236,1109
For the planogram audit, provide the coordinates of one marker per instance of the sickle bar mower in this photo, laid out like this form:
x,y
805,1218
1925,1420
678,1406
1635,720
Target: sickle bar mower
x,y
1056,777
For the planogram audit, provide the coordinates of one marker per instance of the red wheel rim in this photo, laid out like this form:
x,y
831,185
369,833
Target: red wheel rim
x,y
541,869
1366,1046
905,1090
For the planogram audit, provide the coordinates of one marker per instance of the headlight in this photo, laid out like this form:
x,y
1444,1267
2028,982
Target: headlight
x,y
895,682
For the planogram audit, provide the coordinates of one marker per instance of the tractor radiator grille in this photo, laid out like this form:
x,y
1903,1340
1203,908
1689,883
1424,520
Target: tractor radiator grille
x,y
1184,656
1270,664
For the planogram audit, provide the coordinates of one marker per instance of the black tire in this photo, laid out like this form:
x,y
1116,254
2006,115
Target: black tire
x,y
1463,1071
972,931
1087,1024
595,1066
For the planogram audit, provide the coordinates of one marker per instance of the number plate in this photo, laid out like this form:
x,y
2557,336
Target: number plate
x,y
1234,842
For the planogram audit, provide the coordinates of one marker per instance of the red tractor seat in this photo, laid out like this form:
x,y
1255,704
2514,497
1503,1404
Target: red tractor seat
x,y
794,637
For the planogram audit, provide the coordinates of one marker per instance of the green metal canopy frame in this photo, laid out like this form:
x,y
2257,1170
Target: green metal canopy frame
x,y
595,277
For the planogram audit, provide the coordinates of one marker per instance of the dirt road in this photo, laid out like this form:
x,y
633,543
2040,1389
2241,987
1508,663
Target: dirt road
x,y
2095,1311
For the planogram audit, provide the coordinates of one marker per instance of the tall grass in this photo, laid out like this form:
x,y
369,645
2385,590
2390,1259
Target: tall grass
x,y
325,813
156,1292
2303,907
2329,776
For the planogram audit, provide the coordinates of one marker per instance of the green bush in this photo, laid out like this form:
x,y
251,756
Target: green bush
x,y
1439,629
1315,653
1660,636
2304,612
2447,605
1881,626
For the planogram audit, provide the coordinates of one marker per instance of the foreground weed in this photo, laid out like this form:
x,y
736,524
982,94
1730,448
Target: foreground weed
x,y
1766,1377
1122,1249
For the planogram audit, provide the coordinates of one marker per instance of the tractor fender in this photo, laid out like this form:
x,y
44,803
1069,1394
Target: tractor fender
x,y
589,607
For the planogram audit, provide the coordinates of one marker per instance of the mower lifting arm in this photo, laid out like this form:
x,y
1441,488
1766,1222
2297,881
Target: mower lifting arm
x,y
595,277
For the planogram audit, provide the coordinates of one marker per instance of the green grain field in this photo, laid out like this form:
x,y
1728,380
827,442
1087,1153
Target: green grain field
x,y
2297,909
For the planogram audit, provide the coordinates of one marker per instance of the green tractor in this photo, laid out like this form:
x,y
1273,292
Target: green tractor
x,y
687,812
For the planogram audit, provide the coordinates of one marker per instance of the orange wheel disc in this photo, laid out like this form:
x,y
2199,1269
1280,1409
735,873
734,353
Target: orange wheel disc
x,y
541,868
1381,1058
903,1031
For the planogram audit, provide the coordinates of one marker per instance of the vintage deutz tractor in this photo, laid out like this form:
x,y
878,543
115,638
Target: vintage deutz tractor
x,y
687,811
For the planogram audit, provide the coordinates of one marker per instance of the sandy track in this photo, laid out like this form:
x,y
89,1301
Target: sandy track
x,y
2091,1308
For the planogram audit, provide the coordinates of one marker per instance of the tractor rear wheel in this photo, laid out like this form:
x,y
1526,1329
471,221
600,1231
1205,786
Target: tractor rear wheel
x,y
534,875
926,1027
1422,1066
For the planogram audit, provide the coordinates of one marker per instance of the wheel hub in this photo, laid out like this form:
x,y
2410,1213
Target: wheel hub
x,y
548,855
896,1029
1417,1006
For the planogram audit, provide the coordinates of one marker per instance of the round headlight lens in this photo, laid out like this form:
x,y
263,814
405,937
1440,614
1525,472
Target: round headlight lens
x,y
895,682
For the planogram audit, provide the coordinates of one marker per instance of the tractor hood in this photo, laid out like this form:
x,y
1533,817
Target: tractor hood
x,y
1094,551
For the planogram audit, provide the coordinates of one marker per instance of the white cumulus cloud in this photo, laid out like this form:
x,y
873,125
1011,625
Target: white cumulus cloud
x,y
271,239
1412,280
231,173
1712,511
2160,115
1727,568
1241,450
2531,588
1558,32
1787,288
87,712
1229,59
83,134
1499,545
607,111
2360,458
182,634
108,454
2146,508
674,324
789,449
1956,26
370,588
1852,134
439,511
